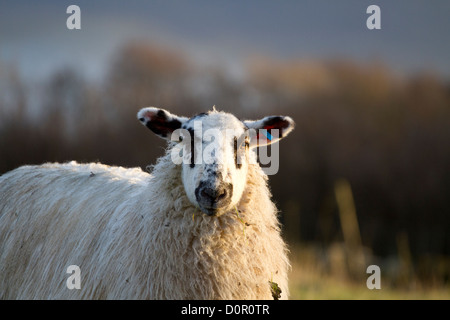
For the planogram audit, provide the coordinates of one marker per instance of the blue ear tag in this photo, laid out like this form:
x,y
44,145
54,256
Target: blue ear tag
x,y
268,135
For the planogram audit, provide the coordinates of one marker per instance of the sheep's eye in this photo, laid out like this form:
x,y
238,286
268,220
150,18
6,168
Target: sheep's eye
x,y
245,143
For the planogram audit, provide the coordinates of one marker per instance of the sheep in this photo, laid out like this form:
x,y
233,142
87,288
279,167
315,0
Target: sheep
x,y
187,230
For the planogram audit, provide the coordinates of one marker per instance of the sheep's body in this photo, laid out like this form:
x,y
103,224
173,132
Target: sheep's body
x,y
134,235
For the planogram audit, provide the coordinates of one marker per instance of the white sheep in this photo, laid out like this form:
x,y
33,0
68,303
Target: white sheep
x,y
190,230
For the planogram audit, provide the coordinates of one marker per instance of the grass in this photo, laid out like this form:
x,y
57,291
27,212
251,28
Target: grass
x,y
309,280
339,270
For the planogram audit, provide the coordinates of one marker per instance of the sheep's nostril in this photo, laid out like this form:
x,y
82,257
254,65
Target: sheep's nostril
x,y
208,193
213,195
222,194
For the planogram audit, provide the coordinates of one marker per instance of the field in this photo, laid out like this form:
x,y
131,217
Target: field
x,y
312,280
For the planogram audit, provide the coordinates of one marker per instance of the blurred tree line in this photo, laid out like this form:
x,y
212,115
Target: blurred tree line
x,y
387,136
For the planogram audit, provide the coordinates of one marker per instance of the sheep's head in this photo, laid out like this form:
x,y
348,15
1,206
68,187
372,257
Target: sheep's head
x,y
215,151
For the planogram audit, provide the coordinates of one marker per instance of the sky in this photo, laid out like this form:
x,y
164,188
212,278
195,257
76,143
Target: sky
x,y
414,34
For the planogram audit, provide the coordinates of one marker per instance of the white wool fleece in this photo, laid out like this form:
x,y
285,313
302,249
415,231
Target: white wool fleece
x,y
134,235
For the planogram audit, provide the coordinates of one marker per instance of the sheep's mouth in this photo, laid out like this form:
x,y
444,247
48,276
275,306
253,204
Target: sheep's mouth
x,y
212,211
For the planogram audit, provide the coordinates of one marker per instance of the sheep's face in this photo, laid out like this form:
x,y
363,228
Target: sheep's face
x,y
214,150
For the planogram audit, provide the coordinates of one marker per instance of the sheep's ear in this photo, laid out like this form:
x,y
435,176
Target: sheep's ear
x,y
269,130
160,121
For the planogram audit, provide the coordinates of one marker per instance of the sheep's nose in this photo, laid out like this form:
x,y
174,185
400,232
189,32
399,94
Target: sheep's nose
x,y
213,195
211,199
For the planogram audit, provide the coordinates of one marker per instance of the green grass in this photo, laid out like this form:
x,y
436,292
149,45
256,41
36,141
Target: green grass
x,y
332,289
309,281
